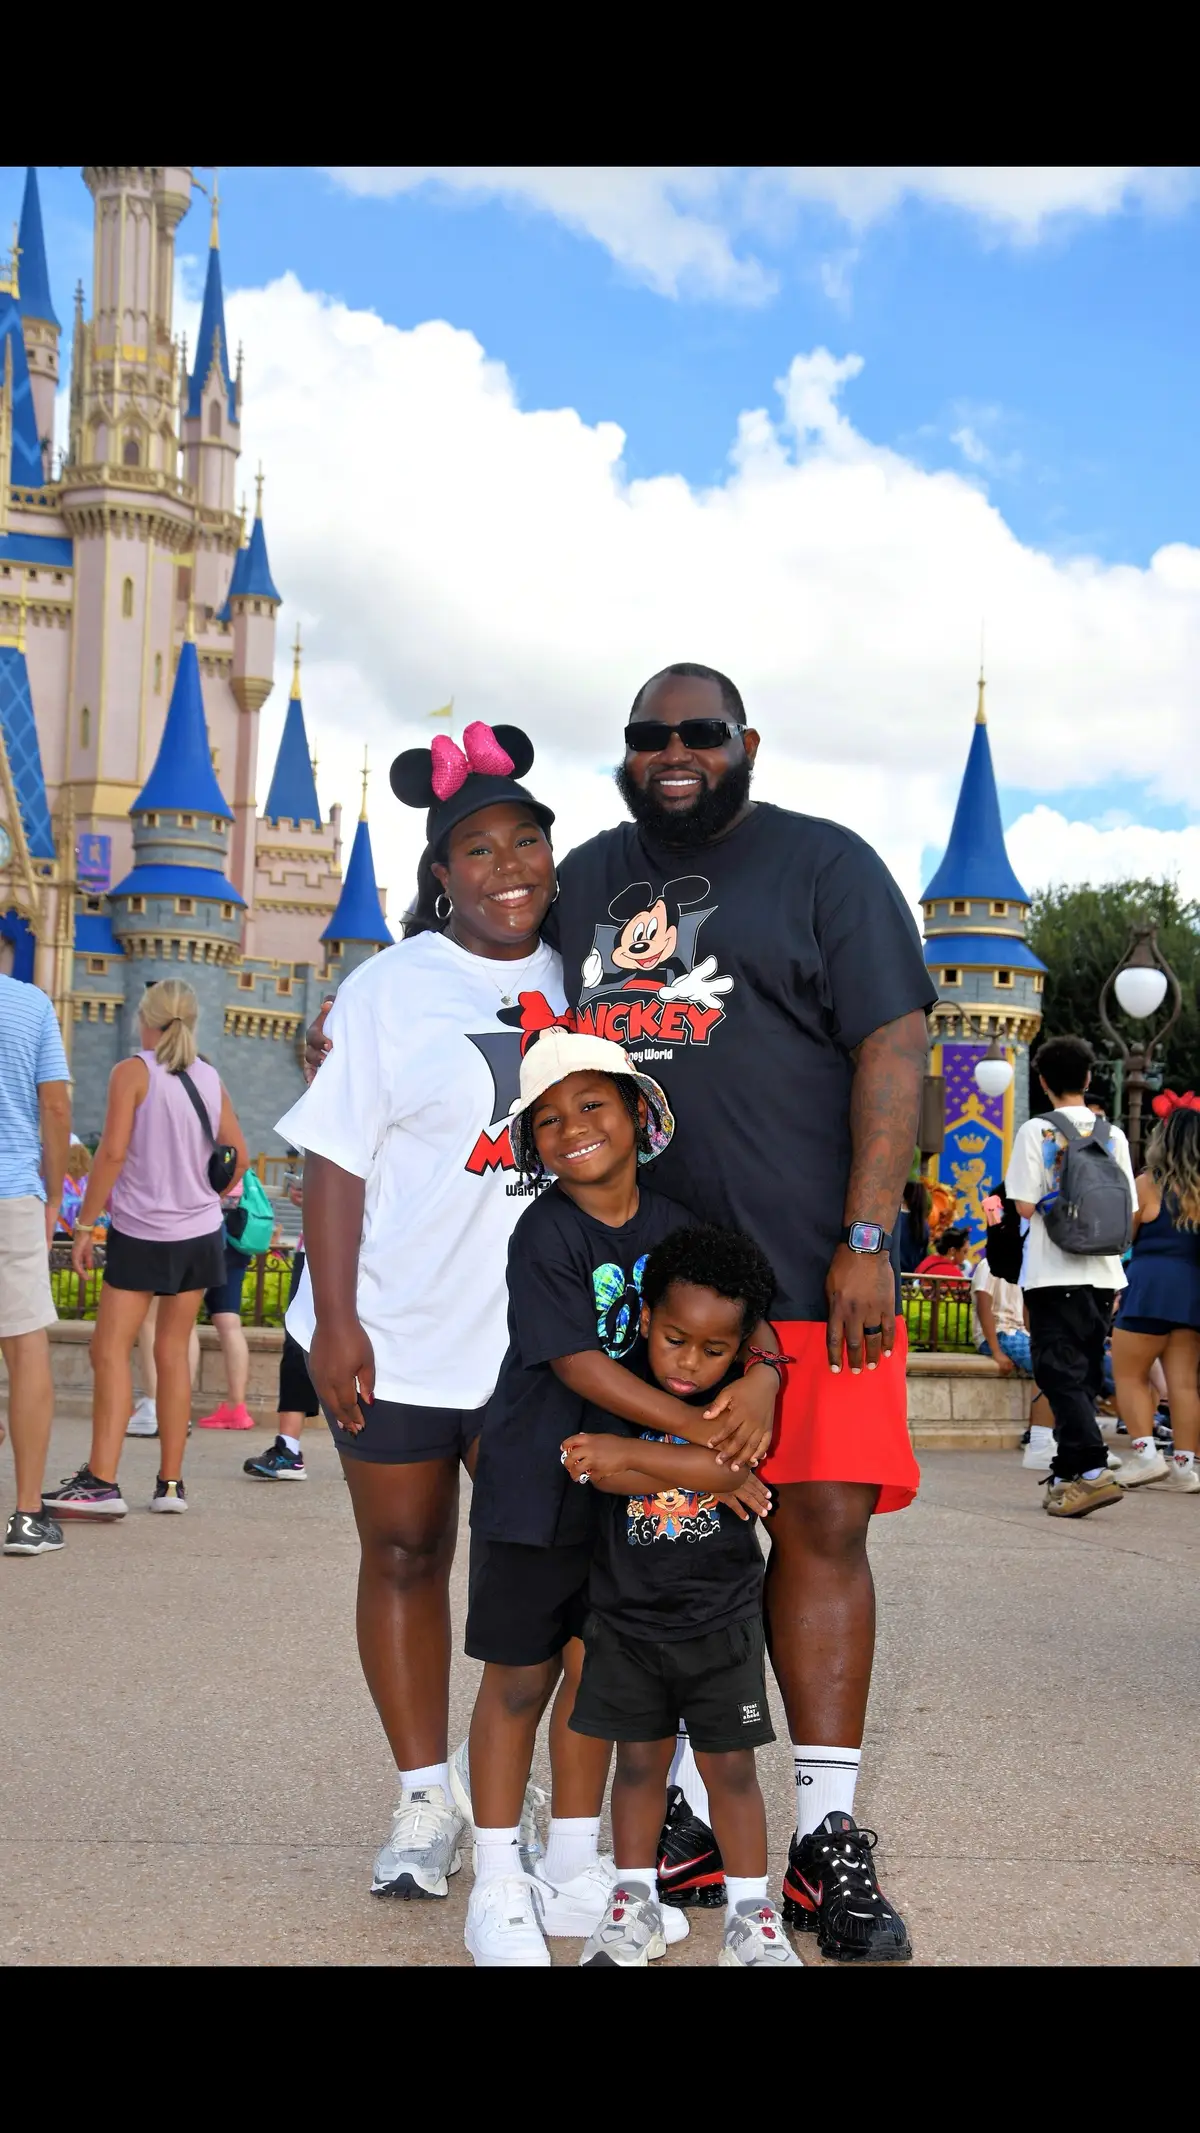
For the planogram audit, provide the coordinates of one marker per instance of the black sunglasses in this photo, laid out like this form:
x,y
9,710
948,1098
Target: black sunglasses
x,y
649,736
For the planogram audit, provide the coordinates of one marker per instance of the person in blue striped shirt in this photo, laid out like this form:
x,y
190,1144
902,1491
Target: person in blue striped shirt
x,y
35,1129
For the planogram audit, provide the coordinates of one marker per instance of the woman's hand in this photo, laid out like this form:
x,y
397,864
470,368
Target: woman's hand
x,y
82,1250
746,1413
316,1043
341,1365
750,1495
594,1458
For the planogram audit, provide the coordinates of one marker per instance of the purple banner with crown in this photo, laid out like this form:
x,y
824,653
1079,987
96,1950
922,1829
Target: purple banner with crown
x,y
972,1161
94,861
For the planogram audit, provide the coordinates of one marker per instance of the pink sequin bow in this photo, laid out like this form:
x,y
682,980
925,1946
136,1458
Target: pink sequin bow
x,y
480,751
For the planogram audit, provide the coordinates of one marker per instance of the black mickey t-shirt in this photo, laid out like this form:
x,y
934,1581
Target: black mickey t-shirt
x,y
573,1285
742,974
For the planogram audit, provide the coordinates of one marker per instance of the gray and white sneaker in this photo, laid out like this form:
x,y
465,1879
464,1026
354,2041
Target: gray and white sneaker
x,y
143,1422
575,1908
529,1842
630,1935
755,1939
32,1533
422,1849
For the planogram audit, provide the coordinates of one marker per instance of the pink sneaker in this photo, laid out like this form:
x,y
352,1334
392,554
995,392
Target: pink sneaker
x,y
226,1417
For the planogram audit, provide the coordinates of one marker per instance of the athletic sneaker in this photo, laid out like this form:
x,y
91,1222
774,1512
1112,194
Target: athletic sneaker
x,y
1040,1449
32,1533
1143,1465
224,1416
82,1495
168,1496
630,1935
1182,1474
281,1463
690,1870
575,1908
754,1939
830,1890
1113,1464
529,1841
1075,1499
143,1422
422,1849
502,1931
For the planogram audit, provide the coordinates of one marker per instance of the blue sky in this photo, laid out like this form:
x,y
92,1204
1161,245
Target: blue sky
x,y
1047,357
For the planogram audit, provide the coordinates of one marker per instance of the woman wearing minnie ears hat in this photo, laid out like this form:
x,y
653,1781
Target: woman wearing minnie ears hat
x,y
408,1209
1160,1310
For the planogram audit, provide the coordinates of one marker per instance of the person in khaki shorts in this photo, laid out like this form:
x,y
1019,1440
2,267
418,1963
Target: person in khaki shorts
x,y
35,1130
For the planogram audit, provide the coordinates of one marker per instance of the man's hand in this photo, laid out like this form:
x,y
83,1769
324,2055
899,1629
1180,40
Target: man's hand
x,y
746,1412
317,1045
861,1288
594,1458
341,1365
82,1250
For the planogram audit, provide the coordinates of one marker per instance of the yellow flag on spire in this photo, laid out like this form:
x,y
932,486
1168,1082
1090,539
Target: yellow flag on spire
x,y
443,710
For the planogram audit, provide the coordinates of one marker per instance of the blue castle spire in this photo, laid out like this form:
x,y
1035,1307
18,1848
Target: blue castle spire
x,y
26,470
251,576
359,915
293,793
183,779
35,299
211,344
21,746
976,862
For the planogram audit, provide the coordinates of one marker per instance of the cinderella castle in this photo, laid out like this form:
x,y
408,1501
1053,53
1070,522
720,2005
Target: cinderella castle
x,y
989,985
137,648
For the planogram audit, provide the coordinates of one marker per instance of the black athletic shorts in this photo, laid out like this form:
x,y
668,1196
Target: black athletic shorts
x,y
296,1395
395,1435
164,1269
226,1295
524,1604
634,1689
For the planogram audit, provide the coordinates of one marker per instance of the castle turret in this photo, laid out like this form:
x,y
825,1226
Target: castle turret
x,y
297,879
989,981
293,793
21,462
358,928
41,327
212,413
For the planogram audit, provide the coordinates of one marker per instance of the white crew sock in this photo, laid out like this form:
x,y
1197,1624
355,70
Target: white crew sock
x,y
647,1875
1184,1461
571,1847
743,1888
496,1854
1143,1444
825,1782
292,1443
432,1774
686,1775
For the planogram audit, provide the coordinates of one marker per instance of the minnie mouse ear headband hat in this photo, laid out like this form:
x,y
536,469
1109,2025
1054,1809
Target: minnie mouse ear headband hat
x,y
1162,1106
559,1052
453,782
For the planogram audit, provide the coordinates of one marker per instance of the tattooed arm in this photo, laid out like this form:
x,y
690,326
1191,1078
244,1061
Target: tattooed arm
x,y
885,1105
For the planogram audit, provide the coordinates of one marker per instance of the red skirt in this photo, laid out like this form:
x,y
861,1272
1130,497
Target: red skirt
x,y
842,1428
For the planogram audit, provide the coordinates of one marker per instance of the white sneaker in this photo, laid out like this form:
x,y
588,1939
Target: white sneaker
x,y
1039,1451
1182,1475
574,1909
1113,1463
755,1939
1143,1466
529,1841
630,1935
502,1931
422,1849
143,1422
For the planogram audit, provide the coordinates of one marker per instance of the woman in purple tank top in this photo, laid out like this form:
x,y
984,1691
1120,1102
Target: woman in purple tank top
x,y
166,1240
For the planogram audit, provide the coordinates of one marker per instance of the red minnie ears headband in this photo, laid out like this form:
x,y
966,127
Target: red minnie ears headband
x,y
1162,1106
423,776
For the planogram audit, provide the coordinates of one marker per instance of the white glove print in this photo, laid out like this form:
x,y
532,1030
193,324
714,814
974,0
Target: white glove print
x,y
699,985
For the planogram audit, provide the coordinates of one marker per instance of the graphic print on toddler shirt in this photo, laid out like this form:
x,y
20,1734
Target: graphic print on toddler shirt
x,y
644,981
670,1514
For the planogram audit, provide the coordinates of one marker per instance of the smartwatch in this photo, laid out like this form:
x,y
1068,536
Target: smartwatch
x,y
867,1237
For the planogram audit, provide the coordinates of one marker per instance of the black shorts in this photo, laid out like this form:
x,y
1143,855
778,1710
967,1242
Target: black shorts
x,y
296,1395
227,1294
397,1435
634,1689
164,1269
524,1604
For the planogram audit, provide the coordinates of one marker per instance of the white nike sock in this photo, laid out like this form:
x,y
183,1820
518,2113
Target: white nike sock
x,y
432,1774
647,1875
825,1782
496,1854
743,1888
292,1443
685,1773
572,1846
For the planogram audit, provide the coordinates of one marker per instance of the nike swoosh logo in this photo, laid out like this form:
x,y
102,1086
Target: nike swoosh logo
x,y
668,1872
816,1893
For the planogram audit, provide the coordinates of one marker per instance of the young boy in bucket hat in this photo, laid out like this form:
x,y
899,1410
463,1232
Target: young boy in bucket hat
x,y
588,1120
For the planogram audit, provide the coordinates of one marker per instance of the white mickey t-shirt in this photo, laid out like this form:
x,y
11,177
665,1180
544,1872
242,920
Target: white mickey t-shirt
x,y
1031,1174
414,1098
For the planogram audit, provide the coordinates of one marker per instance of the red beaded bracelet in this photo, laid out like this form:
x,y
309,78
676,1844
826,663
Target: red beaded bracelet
x,y
760,1355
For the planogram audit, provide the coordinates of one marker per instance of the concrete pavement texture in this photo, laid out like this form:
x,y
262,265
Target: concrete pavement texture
x,y
194,1773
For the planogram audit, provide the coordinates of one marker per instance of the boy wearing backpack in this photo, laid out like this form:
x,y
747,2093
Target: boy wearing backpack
x,y
1070,1174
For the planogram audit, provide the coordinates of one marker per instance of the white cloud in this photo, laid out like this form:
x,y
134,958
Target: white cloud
x,y
678,228
437,537
1046,849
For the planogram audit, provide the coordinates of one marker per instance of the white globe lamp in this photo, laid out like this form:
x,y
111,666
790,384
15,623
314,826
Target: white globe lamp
x,y
1140,989
992,1076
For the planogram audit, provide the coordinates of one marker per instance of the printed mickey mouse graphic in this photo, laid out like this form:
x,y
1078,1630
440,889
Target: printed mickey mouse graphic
x,y
653,936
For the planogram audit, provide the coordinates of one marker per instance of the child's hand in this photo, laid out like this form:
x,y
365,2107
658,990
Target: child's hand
x,y
589,1458
750,1495
746,1413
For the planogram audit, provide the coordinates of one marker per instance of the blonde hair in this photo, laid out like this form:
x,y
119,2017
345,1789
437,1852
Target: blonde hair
x,y
172,1007
79,1161
1173,1160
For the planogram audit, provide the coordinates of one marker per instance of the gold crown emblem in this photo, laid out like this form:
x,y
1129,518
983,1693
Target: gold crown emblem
x,y
972,1143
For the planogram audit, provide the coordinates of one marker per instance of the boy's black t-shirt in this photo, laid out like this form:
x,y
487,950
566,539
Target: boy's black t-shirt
x,y
573,1284
743,975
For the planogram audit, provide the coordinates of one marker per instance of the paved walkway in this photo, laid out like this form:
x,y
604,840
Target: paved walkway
x,y
193,1773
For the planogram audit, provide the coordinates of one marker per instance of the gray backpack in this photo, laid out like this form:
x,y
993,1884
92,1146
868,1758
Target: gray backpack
x,y
1094,1209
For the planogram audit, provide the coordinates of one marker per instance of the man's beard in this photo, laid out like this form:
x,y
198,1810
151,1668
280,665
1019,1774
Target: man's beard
x,y
700,824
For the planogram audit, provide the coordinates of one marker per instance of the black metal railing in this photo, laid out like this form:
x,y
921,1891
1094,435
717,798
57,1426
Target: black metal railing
x,y
264,1291
938,1313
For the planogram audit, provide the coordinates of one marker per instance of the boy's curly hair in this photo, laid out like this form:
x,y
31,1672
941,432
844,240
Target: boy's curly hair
x,y
709,1257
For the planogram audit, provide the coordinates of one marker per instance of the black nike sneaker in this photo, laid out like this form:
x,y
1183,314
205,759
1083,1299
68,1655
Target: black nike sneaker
x,y
690,1868
830,1889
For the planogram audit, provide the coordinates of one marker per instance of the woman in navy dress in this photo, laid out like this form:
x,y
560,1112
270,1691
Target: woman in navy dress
x,y
1160,1309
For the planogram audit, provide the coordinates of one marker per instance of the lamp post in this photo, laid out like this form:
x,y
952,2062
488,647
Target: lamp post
x,y
1140,982
993,1072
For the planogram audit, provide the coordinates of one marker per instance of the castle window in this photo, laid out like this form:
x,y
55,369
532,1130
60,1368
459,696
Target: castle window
x,y
1039,980
183,583
283,985
150,822
127,598
227,910
97,965
158,673
132,453
951,977
960,907
187,822
1004,979
91,903
246,981
1000,910
85,728
185,907
214,756
137,905
214,419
